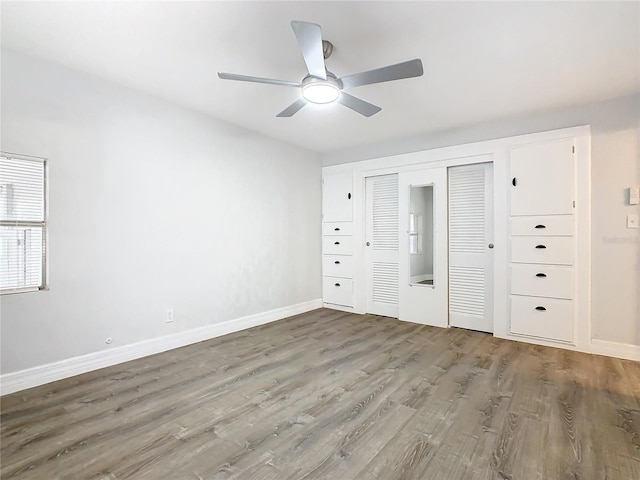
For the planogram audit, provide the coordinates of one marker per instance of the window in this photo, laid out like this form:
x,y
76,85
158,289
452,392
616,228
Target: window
x,y
23,227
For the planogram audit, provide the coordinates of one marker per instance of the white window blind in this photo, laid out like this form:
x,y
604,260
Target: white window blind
x,y
23,226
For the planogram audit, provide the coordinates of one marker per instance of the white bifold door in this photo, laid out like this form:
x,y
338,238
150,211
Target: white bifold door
x,y
423,267
470,246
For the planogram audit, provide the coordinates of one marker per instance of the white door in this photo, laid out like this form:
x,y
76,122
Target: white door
x,y
423,269
470,253
381,247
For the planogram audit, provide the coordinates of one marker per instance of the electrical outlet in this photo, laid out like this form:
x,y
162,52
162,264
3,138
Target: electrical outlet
x,y
169,315
632,220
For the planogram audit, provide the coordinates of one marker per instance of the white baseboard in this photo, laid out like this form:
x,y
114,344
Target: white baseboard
x,y
614,349
32,377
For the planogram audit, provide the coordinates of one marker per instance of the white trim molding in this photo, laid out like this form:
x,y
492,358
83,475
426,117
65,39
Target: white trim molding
x,y
42,374
626,351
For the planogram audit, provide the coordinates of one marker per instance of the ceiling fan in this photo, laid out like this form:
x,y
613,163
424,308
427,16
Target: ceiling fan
x,y
322,86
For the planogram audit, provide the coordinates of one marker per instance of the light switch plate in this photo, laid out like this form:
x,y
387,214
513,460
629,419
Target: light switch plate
x,y
634,196
632,220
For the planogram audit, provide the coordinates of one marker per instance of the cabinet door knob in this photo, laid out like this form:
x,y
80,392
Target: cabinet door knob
x,y
514,182
337,285
541,274
541,246
337,262
542,309
337,229
540,226
349,196
338,243
368,244
490,245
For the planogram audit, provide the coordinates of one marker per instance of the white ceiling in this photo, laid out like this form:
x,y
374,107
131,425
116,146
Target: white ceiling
x,y
482,60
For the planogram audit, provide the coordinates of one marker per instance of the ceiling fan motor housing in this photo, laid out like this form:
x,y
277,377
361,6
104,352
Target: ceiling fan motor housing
x,y
327,48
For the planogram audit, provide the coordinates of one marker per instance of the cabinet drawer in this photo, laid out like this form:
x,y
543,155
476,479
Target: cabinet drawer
x,y
337,266
542,280
337,228
542,317
548,250
338,291
543,225
337,245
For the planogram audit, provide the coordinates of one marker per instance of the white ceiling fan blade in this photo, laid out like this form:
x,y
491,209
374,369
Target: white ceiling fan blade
x,y
364,108
412,68
309,36
246,78
293,108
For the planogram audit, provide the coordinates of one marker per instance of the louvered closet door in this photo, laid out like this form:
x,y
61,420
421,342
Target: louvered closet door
x,y
470,258
381,250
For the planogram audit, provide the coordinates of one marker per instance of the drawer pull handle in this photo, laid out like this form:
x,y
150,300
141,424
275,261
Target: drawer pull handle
x,y
541,246
514,182
338,243
349,196
544,275
540,226
337,262
337,229
337,284
542,309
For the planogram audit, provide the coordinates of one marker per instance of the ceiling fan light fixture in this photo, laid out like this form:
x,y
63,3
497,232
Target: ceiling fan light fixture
x,y
320,92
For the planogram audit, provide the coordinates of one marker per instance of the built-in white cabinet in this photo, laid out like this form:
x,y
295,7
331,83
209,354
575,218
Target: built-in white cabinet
x,y
543,247
337,240
543,178
337,198
517,232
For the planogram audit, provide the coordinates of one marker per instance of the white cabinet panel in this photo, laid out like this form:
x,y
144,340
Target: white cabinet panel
x,y
542,280
337,245
561,225
546,250
337,228
542,177
337,198
337,266
338,291
542,317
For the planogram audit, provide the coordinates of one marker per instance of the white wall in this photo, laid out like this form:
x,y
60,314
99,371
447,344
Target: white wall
x,y
151,206
615,147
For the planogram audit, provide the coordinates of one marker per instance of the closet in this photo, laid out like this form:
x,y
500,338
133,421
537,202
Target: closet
x,y
491,236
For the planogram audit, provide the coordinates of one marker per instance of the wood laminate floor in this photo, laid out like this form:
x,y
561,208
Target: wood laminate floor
x,y
331,395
